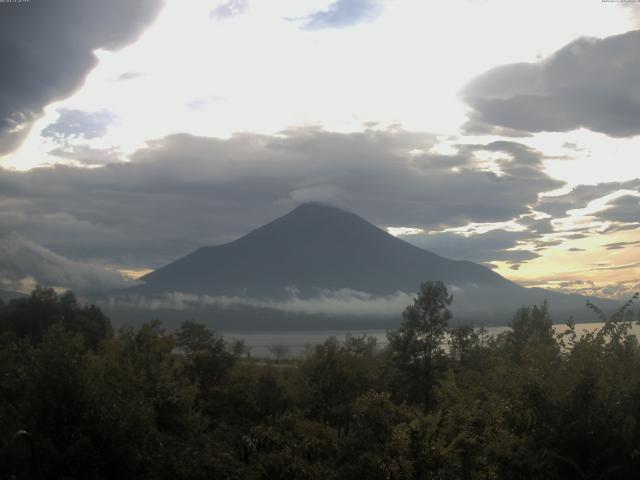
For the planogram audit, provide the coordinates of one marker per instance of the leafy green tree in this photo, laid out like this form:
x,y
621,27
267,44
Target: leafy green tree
x,y
378,446
334,375
292,447
32,316
206,362
532,323
79,403
88,320
417,346
145,418
206,354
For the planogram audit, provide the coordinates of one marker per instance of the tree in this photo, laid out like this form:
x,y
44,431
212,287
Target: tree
x,y
378,446
417,344
193,337
465,343
279,351
88,320
532,334
206,360
335,375
532,323
31,317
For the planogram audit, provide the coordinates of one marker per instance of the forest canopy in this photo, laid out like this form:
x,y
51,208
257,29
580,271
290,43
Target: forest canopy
x,y
81,401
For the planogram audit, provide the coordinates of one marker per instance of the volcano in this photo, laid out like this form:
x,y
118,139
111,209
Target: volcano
x,y
317,249
313,248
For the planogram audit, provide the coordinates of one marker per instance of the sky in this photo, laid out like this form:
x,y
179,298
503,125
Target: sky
x,y
503,132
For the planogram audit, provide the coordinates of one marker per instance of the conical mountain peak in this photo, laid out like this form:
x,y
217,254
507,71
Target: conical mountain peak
x,y
310,208
313,248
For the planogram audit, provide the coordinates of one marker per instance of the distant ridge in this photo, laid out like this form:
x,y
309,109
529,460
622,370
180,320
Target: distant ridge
x,y
7,296
314,247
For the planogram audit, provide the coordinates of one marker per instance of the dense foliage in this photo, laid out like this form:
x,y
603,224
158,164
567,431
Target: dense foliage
x,y
80,402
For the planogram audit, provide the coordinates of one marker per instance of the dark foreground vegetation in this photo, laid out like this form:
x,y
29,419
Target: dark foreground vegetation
x,y
78,401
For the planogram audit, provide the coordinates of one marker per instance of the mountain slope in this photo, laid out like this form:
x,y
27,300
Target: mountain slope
x,y
314,247
7,296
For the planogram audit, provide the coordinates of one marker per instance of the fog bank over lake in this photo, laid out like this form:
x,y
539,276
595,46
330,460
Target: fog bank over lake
x,y
295,343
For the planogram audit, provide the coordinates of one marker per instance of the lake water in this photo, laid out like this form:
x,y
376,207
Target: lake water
x,y
296,342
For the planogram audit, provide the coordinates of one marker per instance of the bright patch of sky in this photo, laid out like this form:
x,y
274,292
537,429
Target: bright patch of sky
x,y
260,71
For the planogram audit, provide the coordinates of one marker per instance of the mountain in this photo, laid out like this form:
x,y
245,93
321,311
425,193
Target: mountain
x,y
316,249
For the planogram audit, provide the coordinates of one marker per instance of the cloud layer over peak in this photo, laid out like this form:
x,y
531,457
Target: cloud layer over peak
x,y
183,191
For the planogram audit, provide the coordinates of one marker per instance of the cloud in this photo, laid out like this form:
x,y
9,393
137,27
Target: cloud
x,y
477,304
624,209
73,128
123,77
78,124
22,259
327,302
576,283
343,13
621,290
590,83
633,8
618,267
86,155
48,50
201,104
182,192
228,9
580,196
495,245
620,245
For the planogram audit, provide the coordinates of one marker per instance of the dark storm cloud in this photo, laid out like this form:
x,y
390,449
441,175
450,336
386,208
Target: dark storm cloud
x,y
590,83
343,13
79,124
182,192
47,50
